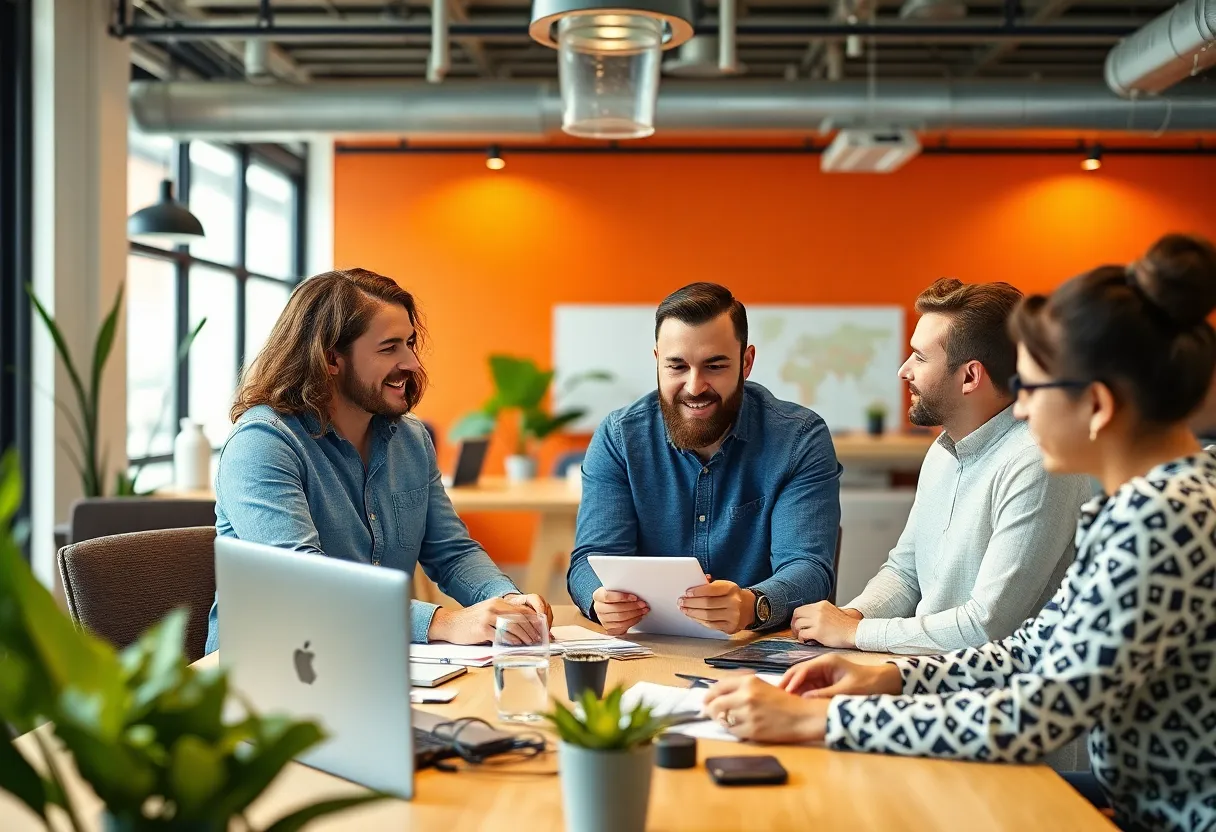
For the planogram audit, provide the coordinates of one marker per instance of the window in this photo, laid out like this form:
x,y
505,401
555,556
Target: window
x,y
240,289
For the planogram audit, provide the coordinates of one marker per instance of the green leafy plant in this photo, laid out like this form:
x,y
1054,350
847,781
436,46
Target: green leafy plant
x,y
520,385
91,461
876,410
144,728
603,726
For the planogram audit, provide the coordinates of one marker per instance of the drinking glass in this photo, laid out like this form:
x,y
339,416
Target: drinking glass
x,y
521,667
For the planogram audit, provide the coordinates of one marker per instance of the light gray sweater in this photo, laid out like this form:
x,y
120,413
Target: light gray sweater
x,y
987,543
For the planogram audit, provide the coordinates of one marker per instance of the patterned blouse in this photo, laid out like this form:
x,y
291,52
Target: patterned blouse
x,y
1127,648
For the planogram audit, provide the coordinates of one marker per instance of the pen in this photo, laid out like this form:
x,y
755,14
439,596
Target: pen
x,y
696,680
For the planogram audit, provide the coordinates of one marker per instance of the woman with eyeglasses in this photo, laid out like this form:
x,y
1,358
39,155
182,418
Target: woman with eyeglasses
x,y
1111,366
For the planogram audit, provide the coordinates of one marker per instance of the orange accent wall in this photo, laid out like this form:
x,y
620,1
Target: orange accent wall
x,y
489,253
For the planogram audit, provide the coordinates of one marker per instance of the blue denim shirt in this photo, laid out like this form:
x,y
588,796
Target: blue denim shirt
x,y
763,512
280,485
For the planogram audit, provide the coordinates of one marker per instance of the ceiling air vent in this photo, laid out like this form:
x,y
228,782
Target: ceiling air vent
x,y
869,151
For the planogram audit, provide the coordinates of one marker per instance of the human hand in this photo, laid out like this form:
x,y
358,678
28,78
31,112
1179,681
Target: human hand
x,y
825,623
721,605
535,603
834,675
752,709
618,611
476,624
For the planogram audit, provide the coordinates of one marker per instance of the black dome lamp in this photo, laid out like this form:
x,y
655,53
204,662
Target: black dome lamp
x,y
167,221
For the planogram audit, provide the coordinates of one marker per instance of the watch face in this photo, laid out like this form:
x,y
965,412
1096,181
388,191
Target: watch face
x,y
763,608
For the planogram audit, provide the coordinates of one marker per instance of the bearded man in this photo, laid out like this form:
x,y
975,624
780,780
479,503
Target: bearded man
x,y
715,467
990,533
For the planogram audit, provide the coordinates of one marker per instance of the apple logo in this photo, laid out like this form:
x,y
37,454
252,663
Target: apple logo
x,y
303,661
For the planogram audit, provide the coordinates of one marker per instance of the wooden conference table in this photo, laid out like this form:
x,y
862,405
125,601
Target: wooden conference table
x,y
827,789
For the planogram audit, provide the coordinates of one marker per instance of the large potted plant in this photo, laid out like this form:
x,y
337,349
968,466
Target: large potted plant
x,y
89,459
143,728
520,386
605,758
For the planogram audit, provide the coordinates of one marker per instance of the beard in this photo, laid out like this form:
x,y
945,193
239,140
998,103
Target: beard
x,y
370,396
690,434
929,410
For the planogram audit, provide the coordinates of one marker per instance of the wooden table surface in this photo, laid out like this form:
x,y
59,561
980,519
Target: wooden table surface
x,y
827,790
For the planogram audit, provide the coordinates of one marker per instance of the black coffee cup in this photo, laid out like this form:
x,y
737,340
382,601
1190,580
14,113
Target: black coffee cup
x,y
585,670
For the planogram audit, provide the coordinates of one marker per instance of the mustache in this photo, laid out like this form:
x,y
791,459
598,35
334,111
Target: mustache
x,y
704,398
398,377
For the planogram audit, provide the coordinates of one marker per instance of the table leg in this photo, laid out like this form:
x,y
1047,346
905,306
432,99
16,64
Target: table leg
x,y
554,539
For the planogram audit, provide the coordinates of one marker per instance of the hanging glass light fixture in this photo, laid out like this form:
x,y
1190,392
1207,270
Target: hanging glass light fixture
x,y
609,55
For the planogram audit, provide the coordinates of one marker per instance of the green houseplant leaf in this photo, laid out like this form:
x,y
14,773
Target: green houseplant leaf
x,y
297,820
603,726
19,778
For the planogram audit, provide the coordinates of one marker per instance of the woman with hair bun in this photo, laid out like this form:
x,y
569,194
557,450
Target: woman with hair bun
x,y
1110,367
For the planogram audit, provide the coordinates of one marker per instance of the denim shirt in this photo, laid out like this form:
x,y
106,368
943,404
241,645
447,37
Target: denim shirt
x,y
281,485
763,512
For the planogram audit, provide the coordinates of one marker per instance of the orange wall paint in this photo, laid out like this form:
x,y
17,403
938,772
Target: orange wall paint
x,y
489,253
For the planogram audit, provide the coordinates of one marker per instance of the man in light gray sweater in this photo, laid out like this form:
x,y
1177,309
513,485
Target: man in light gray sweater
x,y
990,534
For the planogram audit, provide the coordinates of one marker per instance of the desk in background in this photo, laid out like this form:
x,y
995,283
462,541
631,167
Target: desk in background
x,y
827,789
556,503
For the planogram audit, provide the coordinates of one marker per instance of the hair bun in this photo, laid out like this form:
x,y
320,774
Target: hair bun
x,y
1178,275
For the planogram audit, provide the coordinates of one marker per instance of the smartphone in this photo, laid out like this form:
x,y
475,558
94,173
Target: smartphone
x,y
758,770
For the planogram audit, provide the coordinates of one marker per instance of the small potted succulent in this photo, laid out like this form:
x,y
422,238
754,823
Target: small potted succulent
x,y
605,757
876,415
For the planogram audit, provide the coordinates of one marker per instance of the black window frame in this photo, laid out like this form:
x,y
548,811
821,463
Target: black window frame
x,y
16,240
274,157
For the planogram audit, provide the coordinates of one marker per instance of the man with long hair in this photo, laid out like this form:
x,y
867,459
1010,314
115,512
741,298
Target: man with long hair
x,y
327,458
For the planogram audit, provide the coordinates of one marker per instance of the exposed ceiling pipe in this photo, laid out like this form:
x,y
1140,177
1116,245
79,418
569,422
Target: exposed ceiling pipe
x,y
728,53
502,110
256,69
441,59
1174,46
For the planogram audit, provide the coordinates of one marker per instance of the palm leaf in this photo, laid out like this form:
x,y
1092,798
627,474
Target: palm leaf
x,y
102,348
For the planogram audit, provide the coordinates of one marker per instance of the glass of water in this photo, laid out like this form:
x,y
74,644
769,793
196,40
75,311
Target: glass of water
x,y
521,667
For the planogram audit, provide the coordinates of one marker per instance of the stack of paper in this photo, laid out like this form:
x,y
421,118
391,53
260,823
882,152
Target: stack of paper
x,y
573,637
570,637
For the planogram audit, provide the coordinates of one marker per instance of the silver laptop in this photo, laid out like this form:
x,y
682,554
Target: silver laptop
x,y
323,639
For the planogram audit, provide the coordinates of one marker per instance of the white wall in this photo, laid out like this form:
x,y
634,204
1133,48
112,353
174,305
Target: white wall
x,y
80,77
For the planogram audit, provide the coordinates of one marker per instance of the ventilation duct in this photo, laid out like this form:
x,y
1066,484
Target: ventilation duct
x,y
698,57
933,10
1174,46
494,110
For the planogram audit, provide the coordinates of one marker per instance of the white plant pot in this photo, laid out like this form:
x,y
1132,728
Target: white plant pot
x,y
521,468
605,791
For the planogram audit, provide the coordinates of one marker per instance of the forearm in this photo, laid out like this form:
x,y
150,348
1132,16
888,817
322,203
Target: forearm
x,y
421,616
468,576
581,583
793,584
954,629
887,595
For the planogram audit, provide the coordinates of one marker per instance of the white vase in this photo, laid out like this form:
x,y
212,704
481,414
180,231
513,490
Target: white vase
x,y
191,458
521,468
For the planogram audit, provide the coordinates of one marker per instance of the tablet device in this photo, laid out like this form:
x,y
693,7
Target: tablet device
x,y
775,655
660,582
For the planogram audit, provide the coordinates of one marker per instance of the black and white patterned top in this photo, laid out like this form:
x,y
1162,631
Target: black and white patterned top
x,y
1127,648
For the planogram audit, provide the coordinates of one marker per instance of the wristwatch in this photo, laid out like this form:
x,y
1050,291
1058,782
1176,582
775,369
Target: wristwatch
x,y
764,610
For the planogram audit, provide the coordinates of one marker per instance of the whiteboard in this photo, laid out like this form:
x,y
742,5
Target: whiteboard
x,y
836,360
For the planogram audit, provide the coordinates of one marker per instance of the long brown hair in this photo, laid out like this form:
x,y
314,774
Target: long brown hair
x,y
324,316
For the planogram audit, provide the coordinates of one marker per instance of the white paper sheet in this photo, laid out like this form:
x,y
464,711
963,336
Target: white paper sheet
x,y
666,699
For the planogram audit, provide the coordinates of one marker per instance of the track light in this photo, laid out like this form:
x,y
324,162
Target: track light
x,y
494,160
1093,161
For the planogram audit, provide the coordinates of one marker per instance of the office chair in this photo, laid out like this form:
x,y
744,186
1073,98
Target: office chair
x,y
836,565
567,461
120,585
102,516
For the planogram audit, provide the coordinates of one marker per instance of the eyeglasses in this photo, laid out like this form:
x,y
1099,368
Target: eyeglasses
x,y
1016,386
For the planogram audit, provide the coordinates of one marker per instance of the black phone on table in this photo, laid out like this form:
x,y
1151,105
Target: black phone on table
x,y
752,770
